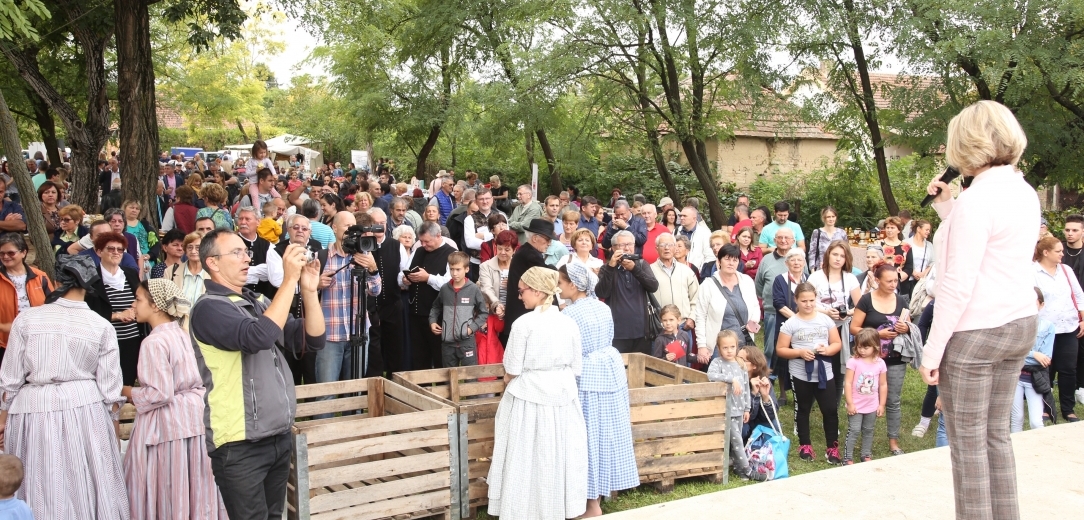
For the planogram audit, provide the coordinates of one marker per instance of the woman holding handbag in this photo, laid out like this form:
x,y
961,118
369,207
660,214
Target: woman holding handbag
x,y
1063,305
726,301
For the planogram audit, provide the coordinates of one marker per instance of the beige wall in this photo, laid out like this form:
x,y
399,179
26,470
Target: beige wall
x,y
743,159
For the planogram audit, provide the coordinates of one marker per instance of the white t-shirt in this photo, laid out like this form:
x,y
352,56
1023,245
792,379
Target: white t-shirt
x,y
806,335
833,295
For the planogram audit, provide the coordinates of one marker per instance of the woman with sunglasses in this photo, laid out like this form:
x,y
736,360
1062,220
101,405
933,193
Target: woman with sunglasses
x,y
21,285
112,298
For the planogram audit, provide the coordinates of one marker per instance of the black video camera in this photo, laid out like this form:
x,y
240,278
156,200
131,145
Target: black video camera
x,y
355,242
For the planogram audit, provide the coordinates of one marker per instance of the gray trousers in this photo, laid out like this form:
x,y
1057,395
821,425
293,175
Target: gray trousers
x,y
865,422
893,411
738,459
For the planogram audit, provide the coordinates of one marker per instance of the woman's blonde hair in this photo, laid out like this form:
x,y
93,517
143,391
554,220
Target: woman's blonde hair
x,y
719,234
984,134
214,194
192,237
580,232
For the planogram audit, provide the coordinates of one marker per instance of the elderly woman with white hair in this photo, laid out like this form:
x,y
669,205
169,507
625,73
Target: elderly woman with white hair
x,y
540,459
407,238
985,321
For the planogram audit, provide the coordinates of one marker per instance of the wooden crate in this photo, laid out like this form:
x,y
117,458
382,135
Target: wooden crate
x,y
679,424
475,393
127,420
396,457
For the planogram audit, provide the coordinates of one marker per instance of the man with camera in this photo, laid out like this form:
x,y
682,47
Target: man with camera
x,y
624,283
427,274
250,399
624,220
341,298
302,365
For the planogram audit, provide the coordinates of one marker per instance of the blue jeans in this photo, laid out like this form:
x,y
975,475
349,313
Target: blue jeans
x,y
332,364
770,330
942,433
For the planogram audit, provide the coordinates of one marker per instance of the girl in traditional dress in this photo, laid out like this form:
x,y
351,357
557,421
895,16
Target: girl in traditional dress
x,y
539,468
604,390
166,467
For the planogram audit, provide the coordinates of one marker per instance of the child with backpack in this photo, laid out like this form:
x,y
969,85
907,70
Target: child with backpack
x,y
866,391
726,369
459,311
1027,387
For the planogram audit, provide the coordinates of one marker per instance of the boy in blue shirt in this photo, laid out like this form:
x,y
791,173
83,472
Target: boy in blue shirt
x,y
11,479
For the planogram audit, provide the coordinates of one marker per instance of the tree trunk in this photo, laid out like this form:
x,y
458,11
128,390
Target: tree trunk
x,y
47,125
551,162
707,182
423,153
660,165
35,221
241,127
138,118
528,143
259,133
869,109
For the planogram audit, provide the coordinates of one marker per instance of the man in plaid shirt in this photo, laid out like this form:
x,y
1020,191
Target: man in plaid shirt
x,y
336,283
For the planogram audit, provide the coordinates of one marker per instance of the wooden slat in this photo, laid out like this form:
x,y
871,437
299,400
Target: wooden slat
x,y
419,401
481,388
635,370
676,428
679,463
453,384
345,404
678,410
376,445
375,389
390,508
480,449
318,433
655,379
478,469
669,446
377,492
676,393
349,386
127,412
481,430
422,377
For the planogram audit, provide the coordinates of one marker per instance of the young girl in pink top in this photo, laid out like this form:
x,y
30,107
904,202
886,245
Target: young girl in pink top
x,y
258,161
866,391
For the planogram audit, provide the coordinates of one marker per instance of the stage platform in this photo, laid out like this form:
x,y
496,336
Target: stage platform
x,y
1049,470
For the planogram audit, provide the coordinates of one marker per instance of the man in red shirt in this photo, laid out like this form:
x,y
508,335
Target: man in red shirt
x,y
741,213
654,229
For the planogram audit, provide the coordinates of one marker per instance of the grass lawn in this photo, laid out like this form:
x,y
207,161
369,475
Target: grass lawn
x,y
913,392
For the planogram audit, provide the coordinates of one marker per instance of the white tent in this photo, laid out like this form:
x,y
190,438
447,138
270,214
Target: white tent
x,y
285,146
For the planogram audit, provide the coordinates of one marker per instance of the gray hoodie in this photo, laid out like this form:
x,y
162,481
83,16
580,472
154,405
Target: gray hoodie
x,y
458,310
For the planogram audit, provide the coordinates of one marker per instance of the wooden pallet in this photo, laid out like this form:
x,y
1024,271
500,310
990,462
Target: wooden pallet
x,y
679,423
395,457
475,392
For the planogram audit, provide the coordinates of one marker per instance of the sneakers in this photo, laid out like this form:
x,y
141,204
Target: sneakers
x,y
919,430
832,454
867,458
848,462
805,451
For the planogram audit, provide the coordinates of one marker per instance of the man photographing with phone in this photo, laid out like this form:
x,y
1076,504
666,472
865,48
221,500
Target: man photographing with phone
x,y
624,283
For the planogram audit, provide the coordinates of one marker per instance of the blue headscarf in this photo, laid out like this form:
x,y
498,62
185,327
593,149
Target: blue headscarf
x,y
582,277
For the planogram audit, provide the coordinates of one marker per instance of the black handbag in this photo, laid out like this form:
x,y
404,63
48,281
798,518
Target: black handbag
x,y
1040,379
744,319
654,317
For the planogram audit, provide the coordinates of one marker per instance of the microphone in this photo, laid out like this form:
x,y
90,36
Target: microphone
x,y
947,177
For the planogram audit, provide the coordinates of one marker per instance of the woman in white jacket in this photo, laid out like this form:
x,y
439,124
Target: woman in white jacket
x,y
726,300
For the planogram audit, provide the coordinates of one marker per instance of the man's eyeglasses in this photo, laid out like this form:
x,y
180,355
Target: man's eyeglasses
x,y
667,246
239,254
300,229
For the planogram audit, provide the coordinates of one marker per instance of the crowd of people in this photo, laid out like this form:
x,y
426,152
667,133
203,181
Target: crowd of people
x,y
255,282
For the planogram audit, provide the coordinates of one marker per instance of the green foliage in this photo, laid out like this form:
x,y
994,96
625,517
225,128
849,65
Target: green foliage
x,y
851,188
17,18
